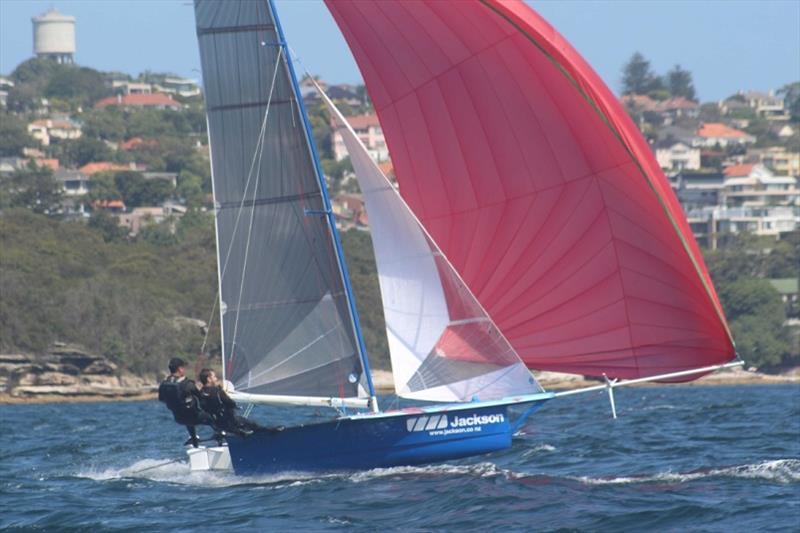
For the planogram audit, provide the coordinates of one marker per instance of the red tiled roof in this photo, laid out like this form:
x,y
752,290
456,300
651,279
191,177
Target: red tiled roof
x,y
678,103
360,122
139,100
739,171
640,100
109,204
52,164
135,142
102,166
718,129
55,124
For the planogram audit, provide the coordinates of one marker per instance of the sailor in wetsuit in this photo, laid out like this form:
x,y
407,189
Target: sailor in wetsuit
x,y
214,401
182,398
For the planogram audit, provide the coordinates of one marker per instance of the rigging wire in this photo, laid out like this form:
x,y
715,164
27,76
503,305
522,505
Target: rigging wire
x,y
256,155
259,153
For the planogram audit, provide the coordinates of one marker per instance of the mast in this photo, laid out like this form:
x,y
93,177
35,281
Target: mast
x,y
328,212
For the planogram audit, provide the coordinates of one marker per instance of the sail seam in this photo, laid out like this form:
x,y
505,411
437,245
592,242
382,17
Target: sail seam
x,y
234,29
268,201
246,105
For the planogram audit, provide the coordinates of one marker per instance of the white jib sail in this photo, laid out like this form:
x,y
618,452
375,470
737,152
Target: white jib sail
x,y
443,345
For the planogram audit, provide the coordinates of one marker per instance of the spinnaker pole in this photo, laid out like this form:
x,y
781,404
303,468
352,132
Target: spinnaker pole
x,y
611,384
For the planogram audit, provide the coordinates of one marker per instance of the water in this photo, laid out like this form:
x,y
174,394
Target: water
x,y
677,459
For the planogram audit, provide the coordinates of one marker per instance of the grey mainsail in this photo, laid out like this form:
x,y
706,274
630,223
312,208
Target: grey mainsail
x,y
287,327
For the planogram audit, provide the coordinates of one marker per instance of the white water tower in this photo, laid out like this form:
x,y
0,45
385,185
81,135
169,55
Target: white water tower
x,y
54,36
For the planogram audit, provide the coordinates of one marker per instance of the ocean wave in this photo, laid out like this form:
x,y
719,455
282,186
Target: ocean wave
x,y
777,471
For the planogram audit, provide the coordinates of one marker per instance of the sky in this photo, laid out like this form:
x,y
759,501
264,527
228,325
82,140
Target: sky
x,y
728,45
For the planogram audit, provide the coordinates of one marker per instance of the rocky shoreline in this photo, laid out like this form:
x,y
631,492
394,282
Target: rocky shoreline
x,y
69,374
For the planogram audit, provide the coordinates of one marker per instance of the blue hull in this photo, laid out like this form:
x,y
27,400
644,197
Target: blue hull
x,y
408,437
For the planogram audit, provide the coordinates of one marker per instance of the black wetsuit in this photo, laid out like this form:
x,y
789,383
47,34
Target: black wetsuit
x,y
181,397
214,401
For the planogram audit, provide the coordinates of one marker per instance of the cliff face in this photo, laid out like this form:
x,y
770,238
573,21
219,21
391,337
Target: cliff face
x,y
68,372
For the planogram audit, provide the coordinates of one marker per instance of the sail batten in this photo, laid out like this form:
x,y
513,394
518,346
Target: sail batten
x,y
287,326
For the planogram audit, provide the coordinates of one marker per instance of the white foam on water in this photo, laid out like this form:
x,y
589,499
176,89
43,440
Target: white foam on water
x,y
482,470
179,472
538,449
778,471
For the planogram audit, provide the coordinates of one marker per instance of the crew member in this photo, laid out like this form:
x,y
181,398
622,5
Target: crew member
x,y
215,402
181,396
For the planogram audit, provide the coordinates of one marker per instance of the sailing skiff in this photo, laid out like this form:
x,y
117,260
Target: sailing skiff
x,y
532,228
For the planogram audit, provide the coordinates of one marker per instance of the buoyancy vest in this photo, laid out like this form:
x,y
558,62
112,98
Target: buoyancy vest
x,y
177,395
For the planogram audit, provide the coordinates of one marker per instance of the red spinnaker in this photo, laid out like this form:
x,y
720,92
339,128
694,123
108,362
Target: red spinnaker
x,y
538,187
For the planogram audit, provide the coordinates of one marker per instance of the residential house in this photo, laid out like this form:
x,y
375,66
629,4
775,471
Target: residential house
x,y
699,189
112,206
125,87
708,223
679,107
346,93
73,182
5,86
9,165
140,217
777,159
754,185
52,164
766,105
713,134
33,153
106,166
49,130
171,177
368,129
669,109
135,142
183,87
672,155
350,210
140,101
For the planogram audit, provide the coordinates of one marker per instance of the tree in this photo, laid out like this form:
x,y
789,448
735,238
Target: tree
x,y
103,187
107,225
791,98
13,136
136,191
85,150
107,124
638,78
756,314
34,188
80,85
190,188
679,83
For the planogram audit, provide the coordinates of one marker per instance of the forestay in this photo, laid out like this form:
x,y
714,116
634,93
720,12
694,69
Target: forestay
x,y
443,345
287,328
